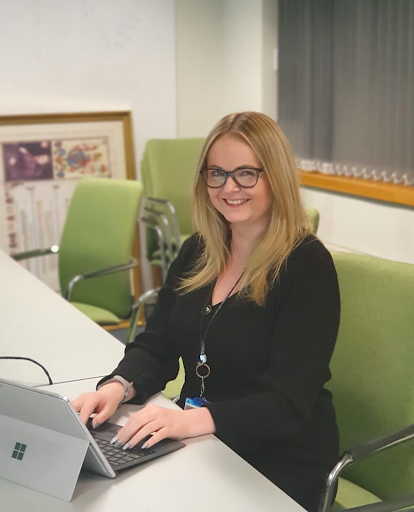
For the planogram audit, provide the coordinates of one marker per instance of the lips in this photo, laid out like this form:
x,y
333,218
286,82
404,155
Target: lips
x,y
235,202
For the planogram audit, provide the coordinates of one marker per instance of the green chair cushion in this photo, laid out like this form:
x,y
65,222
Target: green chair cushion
x,y
98,233
372,368
173,388
98,315
351,495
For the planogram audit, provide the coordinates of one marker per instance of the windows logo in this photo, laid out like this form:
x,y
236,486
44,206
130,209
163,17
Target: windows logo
x,y
18,452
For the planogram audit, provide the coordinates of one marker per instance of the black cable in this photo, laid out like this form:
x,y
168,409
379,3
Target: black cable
x,y
32,361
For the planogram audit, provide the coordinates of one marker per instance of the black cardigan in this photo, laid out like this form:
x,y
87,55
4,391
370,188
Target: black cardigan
x,y
268,364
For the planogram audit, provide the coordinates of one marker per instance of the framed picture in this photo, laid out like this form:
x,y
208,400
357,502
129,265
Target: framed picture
x,y
42,157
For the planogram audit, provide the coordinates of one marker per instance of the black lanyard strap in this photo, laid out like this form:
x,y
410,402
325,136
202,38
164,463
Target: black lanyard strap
x,y
202,368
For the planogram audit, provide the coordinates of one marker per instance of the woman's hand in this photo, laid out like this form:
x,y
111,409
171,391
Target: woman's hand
x,y
162,423
103,402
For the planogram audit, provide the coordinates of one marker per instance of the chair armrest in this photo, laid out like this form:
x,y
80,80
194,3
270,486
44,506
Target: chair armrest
x,y
359,452
98,273
394,505
36,252
136,310
362,451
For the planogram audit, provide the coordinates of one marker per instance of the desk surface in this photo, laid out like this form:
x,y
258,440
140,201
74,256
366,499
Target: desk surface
x,y
35,322
205,476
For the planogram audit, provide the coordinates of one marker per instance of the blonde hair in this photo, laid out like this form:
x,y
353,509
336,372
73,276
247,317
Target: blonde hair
x,y
288,225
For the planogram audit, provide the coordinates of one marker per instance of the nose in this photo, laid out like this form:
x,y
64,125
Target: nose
x,y
231,185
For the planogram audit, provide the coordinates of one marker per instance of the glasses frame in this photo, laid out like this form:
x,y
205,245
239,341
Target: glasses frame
x,y
227,174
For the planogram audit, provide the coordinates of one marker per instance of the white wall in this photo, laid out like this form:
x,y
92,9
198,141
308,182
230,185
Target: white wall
x,y
224,61
91,55
361,225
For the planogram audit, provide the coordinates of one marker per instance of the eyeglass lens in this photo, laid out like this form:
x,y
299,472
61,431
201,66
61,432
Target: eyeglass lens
x,y
244,177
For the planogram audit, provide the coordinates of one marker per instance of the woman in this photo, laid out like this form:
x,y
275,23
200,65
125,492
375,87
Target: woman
x,y
251,304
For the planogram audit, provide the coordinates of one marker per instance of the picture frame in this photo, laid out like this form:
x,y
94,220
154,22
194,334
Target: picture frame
x,y
42,156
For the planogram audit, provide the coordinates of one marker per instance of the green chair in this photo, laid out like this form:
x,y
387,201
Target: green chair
x,y
314,219
168,169
373,383
96,246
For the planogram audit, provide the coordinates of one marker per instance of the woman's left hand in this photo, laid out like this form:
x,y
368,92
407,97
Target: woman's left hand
x,y
176,424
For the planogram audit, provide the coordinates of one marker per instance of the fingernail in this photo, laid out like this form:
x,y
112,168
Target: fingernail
x,y
112,441
126,446
144,446
118,444
96,425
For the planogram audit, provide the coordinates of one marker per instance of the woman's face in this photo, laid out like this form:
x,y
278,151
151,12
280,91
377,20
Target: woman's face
x,y
239,206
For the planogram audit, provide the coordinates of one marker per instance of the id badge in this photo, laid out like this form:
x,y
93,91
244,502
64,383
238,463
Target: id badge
x,y
195,403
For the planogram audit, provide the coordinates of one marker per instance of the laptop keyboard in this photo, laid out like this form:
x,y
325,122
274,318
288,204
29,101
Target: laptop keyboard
x,y
117,457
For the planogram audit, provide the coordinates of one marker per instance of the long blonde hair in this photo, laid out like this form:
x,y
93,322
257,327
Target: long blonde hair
x,y
288,224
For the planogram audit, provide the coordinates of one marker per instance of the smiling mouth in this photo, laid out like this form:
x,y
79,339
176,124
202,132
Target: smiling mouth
x,y
235,202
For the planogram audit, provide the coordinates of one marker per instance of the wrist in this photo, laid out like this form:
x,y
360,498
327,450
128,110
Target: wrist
x,y
200,422
116,389
129,391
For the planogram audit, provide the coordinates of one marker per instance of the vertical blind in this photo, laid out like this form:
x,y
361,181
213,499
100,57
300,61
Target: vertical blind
x,y
346,86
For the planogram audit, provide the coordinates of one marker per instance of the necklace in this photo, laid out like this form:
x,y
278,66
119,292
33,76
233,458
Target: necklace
x,y
202,368
235,259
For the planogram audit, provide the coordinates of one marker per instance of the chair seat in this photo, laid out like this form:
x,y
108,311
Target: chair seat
x,y
98,315
351,495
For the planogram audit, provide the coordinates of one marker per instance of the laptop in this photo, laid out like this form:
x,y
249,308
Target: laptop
x,y
44,444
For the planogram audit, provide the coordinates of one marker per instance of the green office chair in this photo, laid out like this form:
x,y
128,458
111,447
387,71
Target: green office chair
x,y
373,383
168,169
95,248
313,216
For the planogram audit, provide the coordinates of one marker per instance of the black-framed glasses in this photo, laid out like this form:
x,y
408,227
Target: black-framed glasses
x,y
245,177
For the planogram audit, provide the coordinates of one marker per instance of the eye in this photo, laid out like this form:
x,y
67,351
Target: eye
x,y
246,173
215,173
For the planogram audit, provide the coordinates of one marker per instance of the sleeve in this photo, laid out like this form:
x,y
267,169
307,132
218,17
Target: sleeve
x,y
151,360
304,338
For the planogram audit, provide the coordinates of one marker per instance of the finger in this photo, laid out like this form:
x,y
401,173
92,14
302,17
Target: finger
x,y
135,423
141,434
106,412
87,409
77,404
156,438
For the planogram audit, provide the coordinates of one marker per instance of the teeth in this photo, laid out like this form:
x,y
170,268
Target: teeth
x,y
237,201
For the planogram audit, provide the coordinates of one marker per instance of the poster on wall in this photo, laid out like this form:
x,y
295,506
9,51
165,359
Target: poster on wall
x,y
42,157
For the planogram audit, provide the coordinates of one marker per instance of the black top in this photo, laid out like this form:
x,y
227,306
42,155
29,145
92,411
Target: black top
x,y
268,364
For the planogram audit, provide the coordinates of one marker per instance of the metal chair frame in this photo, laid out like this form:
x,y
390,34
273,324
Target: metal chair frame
x,y
158,215
361,452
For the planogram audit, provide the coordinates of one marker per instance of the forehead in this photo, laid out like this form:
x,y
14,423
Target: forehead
x,y
229,152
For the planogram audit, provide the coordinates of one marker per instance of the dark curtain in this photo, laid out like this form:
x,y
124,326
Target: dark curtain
x,y
346,86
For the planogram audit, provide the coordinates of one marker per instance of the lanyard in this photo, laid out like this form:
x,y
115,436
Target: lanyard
x,y
202,368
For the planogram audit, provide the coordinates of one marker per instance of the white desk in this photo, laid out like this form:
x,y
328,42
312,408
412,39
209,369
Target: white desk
x,y
205,476
35,322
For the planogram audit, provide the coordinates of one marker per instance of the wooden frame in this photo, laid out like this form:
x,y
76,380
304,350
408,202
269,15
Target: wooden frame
x,y
47,153
370,189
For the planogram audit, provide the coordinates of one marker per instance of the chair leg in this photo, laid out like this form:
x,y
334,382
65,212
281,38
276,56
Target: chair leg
x,y
331,479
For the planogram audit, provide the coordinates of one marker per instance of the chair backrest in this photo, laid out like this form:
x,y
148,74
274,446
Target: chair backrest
x,y
373,367
99,232
313,216
168,169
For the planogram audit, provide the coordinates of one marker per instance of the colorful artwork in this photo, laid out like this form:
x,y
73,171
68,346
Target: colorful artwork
x,y
51,161
76,158
26,161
